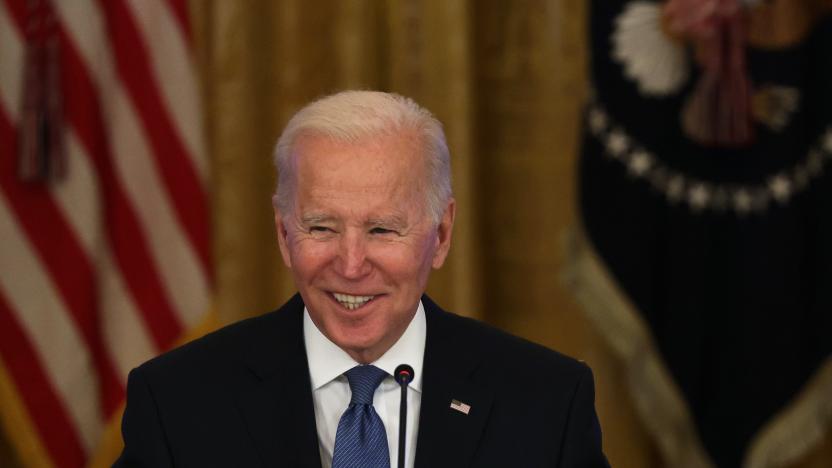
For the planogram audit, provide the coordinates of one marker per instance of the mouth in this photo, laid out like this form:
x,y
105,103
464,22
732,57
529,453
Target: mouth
x,y
351,302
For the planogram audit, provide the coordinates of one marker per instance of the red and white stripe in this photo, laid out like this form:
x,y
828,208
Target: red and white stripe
x,y
111,264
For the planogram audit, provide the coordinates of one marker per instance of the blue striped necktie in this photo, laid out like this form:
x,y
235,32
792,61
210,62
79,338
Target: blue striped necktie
x,y
361,441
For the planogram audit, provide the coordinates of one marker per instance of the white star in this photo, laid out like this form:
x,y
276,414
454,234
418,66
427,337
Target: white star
x,y
617,143
698,196
597,120
640,163
675,188
742,201
781,188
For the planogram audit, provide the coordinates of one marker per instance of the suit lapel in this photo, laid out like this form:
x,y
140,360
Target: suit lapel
x,y
448,437
277,406
280,417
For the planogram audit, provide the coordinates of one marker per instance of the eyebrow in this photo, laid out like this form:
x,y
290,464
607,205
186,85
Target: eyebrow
x,y
392,220
316,218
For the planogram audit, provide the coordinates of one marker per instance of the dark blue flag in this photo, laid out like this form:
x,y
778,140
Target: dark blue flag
x,y
707,248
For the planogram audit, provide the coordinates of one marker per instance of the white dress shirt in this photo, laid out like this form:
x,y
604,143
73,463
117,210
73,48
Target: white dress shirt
x,y
331,390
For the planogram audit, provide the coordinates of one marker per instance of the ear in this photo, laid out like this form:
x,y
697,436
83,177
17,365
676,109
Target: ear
x,y
444,231
282,237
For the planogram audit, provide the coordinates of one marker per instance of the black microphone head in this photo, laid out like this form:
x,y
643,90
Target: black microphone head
x,y
404,374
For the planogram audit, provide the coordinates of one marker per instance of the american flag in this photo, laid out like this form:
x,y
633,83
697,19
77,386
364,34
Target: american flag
x,y
104,230
460,406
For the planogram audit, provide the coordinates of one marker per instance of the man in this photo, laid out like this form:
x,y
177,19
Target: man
x,y
363,212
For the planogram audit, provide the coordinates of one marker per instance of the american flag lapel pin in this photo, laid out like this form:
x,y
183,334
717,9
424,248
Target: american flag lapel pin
x,y
460,406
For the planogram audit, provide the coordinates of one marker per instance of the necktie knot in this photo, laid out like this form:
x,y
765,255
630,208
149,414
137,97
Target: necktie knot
x,y
363,383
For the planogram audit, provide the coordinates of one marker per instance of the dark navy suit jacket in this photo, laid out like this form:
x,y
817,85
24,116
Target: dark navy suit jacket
x,y
241,397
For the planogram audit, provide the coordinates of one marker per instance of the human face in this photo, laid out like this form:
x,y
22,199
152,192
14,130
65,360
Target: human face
x,y
359,240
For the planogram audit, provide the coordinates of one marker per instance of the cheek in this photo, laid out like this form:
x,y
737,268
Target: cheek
x,y
423,252
404,261
309,255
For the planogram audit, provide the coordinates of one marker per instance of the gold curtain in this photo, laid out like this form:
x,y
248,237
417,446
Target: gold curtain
x,y
506,78
263,60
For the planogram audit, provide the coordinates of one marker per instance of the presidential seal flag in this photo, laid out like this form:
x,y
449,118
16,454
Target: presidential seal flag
x,y
705,248
104,241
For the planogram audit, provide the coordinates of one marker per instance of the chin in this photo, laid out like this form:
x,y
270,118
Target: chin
x,y
372,337
355,340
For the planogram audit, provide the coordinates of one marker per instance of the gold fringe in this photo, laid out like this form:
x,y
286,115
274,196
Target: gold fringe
x,y
110,446
788,436
657,399
798,427
18,426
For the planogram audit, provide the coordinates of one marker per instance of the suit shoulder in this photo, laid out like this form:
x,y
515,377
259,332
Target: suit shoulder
x,y
512,353
229,343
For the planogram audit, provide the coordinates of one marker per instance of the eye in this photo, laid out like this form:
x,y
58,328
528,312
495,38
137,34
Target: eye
x,y
320,230
381,230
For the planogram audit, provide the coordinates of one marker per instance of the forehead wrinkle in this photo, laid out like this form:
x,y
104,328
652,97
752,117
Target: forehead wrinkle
x,y
395,219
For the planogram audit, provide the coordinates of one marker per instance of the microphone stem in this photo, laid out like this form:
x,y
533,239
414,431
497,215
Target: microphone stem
x,y
402,424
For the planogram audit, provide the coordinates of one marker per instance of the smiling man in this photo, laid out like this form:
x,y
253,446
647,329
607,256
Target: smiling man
x,y
357,232
364,212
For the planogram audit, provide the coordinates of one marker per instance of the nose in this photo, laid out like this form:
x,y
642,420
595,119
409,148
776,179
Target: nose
x,y
352,256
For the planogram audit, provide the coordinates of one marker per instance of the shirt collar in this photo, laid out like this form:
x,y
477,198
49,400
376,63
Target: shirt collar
x,y
327,361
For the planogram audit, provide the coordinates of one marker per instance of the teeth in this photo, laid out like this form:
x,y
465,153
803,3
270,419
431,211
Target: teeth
x,y
352,302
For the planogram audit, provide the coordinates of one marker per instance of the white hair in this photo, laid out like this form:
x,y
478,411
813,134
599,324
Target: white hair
x,y
351,116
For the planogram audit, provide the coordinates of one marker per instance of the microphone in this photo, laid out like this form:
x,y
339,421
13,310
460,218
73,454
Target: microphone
x,y
403,375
